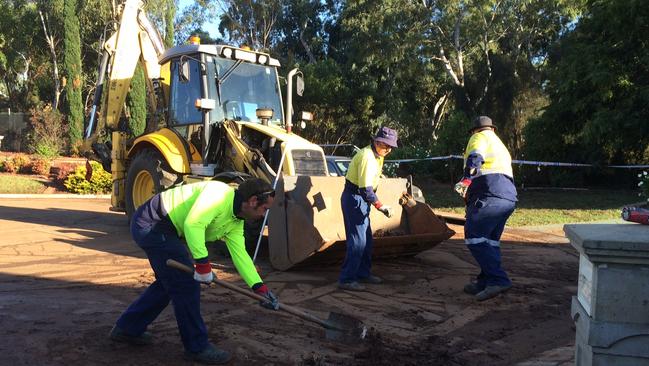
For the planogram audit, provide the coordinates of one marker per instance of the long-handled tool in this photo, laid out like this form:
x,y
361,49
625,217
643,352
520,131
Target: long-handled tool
x,y
339,327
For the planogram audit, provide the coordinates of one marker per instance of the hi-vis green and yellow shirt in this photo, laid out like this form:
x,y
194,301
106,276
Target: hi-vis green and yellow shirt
x,y
489,166
364,172
203,212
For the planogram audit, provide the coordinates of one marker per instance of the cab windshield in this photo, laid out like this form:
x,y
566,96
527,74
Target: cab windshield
x,y
242,88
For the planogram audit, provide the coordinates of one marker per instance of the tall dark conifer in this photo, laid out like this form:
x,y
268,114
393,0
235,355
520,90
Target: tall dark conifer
x,y
72,71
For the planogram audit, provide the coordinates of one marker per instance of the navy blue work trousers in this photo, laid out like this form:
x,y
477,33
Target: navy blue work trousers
x,y
485,222
155,234
356,215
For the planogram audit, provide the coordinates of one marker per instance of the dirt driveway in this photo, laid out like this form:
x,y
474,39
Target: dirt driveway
x,y
68,268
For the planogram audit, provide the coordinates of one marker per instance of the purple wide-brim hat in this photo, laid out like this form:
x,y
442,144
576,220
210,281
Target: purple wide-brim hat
x,y
387,136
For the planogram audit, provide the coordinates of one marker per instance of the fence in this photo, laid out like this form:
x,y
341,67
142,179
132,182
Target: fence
x,y
11,128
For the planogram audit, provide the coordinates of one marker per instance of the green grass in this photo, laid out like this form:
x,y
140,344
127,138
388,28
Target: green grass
x,y
17,184
546,207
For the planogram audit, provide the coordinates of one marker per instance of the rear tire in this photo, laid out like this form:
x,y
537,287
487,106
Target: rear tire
x,y
148,174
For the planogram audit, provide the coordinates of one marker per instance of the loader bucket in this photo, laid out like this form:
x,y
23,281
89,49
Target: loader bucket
x,y
306,222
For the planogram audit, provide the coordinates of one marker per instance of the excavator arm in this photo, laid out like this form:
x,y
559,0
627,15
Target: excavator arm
x,y
135,39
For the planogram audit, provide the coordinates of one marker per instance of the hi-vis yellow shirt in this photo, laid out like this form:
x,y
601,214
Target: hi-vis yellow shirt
x,y
365,168
496,157
203,212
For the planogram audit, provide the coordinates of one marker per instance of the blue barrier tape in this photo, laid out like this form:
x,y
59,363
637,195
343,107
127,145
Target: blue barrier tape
x,y
519,162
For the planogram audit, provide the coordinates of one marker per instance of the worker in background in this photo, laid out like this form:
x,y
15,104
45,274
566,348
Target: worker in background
x,y
488,190
198,212
358,196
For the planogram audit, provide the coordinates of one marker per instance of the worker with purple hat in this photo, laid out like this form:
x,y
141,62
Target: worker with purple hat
x,y
358,196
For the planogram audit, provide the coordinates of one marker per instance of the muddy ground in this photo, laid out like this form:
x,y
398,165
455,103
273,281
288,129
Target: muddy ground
x,y
68,268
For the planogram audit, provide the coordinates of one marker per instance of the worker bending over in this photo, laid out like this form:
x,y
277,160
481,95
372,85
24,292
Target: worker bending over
x,y
360,186
198,212
490,196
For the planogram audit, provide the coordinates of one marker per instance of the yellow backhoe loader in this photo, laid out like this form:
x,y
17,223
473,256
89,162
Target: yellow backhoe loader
x,y
219,114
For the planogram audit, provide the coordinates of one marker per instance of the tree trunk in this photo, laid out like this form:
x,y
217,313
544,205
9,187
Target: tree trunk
x,y
307,49
51,43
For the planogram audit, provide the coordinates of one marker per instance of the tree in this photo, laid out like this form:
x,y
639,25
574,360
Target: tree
x,y
73,72
136,103
23,56
331,98
250,22
464,36
598,89
52,41
191,18
301,33
170,15
376,48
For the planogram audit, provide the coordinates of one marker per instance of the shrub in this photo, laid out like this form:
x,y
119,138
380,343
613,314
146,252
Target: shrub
x,y
63,171
7,165
22,163
47,131
101,181
11,167
41,166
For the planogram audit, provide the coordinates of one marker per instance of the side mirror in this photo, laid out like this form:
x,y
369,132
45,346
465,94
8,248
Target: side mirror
x,y
299,85
183,71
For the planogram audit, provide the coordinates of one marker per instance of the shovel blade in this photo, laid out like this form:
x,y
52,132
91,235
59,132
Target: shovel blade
x,y
344,328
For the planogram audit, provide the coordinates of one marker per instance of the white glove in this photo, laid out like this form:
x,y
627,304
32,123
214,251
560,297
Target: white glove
x,y
386,210
204,278
203,273
462,187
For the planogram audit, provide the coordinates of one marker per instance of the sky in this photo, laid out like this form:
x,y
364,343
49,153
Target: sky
x,y
211,27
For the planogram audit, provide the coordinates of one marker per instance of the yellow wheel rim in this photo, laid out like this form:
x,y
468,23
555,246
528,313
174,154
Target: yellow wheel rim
x,y
143,188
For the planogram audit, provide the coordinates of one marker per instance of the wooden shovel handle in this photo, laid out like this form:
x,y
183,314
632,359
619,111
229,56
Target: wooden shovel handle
x,y
287,308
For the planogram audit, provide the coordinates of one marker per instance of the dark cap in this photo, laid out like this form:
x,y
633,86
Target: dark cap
x,y
482,121
387,136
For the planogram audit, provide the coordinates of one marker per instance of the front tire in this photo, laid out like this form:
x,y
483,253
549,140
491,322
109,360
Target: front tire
x,y
148,174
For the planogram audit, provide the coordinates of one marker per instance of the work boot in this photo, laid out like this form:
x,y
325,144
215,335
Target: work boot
x,y
472,288
491,291
209,356
351,286
371,279
118,335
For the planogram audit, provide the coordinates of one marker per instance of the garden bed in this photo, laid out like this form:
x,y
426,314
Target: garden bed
x,y
24,173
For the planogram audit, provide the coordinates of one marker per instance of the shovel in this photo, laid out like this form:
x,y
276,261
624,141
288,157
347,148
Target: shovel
x,y
339,327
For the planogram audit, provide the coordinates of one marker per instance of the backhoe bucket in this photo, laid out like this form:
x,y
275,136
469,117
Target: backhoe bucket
x,y
306,221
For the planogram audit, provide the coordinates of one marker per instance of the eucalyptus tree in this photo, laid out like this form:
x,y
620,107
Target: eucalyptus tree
x,y
190,19
50,15
250,22
23,53
493,54
379,50
598,89
302,33
463,36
